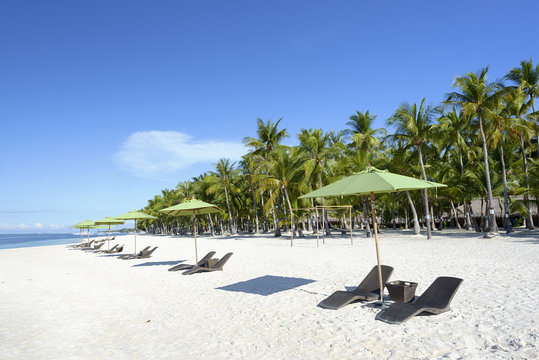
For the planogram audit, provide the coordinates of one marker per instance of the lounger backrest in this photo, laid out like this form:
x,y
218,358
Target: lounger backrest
x,y
440,292
143,251
208,256
150,252
222,261
371,283
120,249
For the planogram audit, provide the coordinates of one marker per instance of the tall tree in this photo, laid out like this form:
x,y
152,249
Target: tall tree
x,y
364,138
315,146
527,76
269,137
413,124
477,96
222,180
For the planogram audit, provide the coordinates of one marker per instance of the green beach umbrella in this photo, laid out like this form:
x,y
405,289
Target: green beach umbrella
x,y
372,181
134,215
192,207
87,224
109,221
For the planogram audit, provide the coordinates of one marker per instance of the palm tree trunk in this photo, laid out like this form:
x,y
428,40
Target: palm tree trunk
x,y
324,213
507,220
366,216
276,227
456,214
529,218
291,217
414,213
264,220
473,218
211,225
425,194
229,213
492,228
255,208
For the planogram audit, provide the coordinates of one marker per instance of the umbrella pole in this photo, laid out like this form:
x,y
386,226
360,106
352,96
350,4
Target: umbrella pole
x,y
135,237
377,249
88,236
108,240
195,229
317,230
351,228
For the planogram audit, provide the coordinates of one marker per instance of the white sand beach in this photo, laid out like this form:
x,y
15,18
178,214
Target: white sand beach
x,y
59,303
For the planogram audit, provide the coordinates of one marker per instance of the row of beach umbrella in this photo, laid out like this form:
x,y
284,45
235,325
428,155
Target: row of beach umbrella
x,y
367,182
191,207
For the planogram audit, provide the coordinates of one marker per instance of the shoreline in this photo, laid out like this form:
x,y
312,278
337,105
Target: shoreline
x,y
66,303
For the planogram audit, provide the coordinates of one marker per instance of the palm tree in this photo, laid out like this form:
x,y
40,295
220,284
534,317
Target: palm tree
x,y
284,172
520,128
222,180
527,76
478,97
364,138
413,125
269,137
317,152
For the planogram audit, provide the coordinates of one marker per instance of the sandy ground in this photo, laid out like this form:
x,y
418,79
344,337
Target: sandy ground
x,y
59,303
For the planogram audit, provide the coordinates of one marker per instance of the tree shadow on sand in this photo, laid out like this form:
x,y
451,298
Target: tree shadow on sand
x,y
267,285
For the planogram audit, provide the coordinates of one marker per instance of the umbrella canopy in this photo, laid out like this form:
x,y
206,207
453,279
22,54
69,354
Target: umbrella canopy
x,y
371,181
86,224
109,221
192,207
134,215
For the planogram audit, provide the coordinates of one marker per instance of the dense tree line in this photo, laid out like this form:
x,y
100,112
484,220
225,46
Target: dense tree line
x,y
482,142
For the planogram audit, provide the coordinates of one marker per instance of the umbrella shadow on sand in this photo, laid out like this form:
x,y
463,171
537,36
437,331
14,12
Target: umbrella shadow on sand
x,y
267,285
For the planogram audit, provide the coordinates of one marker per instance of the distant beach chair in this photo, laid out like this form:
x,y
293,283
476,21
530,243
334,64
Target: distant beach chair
x,y
217,267
367,290
189,266
93,248
115,249
140,253
110,250
434,300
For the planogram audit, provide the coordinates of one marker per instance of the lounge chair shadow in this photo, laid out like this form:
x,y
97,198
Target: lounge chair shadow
x,y
267,285
157,263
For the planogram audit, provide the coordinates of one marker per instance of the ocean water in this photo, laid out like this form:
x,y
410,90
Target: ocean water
x,y
11,241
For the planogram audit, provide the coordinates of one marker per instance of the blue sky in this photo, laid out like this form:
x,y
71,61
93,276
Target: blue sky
x,y
106,103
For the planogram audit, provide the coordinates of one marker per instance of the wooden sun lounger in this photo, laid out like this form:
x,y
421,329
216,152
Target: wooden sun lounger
x,y
217,267
189,266
367,290
140,253
435,300
146,254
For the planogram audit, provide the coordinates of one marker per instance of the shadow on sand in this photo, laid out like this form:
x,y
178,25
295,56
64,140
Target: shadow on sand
x,y
157,263
266,285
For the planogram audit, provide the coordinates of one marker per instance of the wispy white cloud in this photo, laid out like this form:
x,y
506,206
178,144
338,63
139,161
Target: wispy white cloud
x,y
27,227
160,153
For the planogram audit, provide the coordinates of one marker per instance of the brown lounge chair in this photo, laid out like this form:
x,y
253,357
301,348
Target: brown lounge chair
x,y
95,247
145,255
140,253
434,300
114,250
368,290
218,266
189,266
